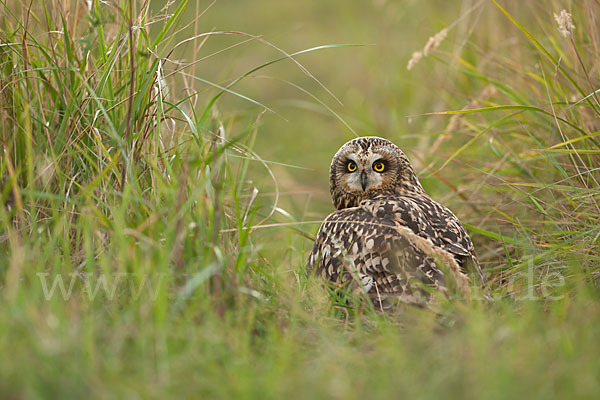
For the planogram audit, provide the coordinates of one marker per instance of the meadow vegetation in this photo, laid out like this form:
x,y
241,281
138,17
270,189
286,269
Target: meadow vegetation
x,y
164,168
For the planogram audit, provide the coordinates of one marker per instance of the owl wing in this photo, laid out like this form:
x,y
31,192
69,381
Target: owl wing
x,y
373,246
450,234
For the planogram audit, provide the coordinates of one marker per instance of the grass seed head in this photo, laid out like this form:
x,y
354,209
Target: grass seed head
x,y
432,43
565,23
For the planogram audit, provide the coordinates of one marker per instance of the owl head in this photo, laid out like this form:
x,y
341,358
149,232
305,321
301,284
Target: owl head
x,y
369,167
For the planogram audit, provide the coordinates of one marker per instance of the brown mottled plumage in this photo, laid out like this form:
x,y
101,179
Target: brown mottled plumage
x,y
387,230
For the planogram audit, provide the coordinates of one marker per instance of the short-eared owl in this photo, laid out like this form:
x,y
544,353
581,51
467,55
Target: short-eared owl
x,y
386,230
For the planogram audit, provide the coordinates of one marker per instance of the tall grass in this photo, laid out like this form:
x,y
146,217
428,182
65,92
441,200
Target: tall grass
x,y
153,233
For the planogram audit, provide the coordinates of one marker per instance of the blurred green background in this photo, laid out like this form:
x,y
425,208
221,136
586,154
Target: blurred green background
x,y
378,95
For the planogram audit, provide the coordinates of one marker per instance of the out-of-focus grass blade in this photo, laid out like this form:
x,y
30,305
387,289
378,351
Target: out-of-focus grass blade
x,y
208,107
591,135
540,47
573,151
496,236
225,89
483,132
510,107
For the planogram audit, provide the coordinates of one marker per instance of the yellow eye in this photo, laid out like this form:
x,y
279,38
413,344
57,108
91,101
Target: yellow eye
x,y
379,166
351,166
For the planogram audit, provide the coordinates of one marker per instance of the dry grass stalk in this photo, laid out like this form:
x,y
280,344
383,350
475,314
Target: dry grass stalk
x,y
432,44
456,120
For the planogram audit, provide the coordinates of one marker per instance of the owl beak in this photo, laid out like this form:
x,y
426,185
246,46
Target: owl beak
x,y
363,180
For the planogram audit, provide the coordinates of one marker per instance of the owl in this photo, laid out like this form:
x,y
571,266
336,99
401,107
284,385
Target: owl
x,y
388,238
